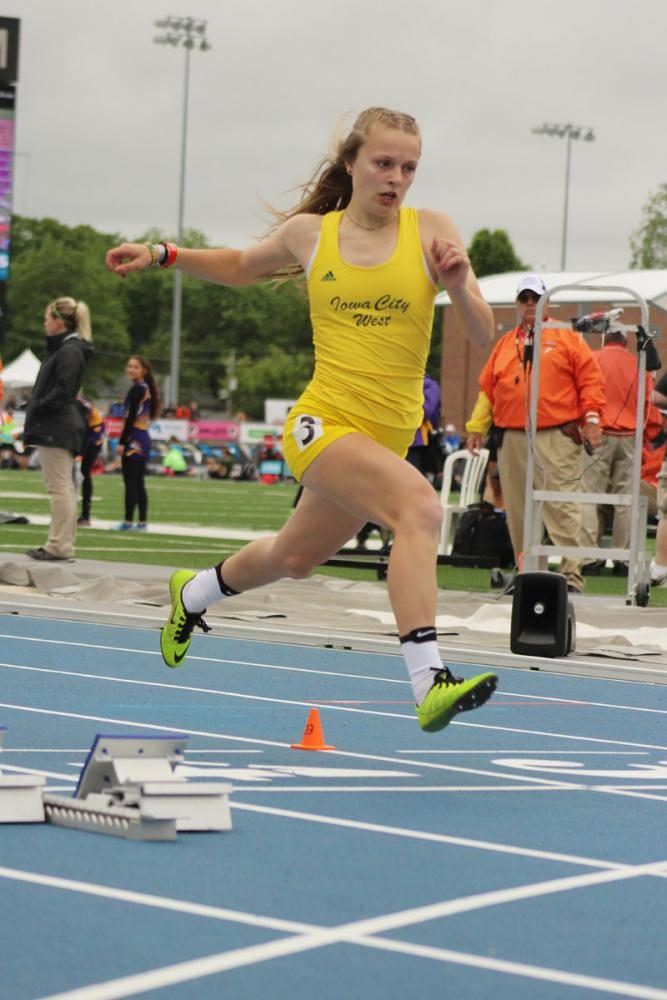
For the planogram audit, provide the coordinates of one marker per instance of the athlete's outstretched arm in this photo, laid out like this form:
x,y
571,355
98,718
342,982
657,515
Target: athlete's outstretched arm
x,y
225,266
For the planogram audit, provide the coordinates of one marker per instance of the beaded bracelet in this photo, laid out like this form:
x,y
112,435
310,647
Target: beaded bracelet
x,y
152,249
170,254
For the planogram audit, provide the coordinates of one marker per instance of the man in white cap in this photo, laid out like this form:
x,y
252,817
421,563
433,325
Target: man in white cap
x,y
609,470
570,402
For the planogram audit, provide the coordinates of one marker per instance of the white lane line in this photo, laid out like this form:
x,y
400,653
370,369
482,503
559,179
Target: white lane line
x,y
497,897
157,902
543,974
362,932
322,704
435,838
216,692
146,621
525,852
35,770
632,794
143,725
83,675
527,779
84,750
587,704
412,788
326,673
211,659
561,753
559,736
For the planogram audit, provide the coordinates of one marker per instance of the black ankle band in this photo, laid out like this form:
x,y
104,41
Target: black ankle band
x,y
224,588
426,634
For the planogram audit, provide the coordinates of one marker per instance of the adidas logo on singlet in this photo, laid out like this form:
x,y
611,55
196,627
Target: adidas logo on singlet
x,y
329,276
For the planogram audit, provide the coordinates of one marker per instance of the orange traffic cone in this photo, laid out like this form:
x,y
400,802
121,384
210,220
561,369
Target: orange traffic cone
x,y
313,737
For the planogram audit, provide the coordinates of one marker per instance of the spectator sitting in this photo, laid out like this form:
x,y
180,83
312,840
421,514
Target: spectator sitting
x,y
216,469
173,463
195,412
117,409
270,450
183,412
8,434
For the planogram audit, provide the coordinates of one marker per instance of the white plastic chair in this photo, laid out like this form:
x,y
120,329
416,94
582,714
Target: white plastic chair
x,y
471,482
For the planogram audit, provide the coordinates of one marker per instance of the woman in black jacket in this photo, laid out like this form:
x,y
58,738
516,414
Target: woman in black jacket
x,y
54,422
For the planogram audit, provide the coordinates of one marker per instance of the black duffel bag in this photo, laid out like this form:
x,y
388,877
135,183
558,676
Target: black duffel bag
x,y
483,531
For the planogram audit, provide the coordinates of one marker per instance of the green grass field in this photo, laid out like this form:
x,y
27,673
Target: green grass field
x,y
201,504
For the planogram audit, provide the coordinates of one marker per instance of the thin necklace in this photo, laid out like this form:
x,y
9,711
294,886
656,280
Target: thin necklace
x,y
369,229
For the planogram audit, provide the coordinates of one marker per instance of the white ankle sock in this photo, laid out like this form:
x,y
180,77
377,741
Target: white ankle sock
x,y
420,652
658,572
202,590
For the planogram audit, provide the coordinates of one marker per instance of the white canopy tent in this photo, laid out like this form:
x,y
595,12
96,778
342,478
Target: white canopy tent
x,y
21,373
500,289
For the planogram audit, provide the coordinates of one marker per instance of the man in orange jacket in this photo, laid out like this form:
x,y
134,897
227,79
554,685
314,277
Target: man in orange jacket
x,y
659,562
570,403
610,469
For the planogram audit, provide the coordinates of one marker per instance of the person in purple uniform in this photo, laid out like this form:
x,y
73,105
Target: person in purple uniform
x,y
91,450
142,404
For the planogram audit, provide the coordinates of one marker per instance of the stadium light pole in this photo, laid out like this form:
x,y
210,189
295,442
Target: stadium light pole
x,y
189,33
567,132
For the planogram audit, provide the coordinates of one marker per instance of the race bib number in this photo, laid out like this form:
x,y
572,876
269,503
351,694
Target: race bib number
x,y
306,430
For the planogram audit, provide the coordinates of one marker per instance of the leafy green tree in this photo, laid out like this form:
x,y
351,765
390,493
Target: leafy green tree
x,y
49,260
649,242
493,253
216,321
28,234
278,374
264,326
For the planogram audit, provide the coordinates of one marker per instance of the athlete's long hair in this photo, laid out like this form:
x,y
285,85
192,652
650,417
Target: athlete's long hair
x,y
329,189
149,379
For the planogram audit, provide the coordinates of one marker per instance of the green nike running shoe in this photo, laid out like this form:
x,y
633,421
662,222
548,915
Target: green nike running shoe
x,y
450,695
177,632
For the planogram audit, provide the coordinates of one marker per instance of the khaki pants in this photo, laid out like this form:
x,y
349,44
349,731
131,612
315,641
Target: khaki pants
x,y
57,465
649,491
558,466
608,470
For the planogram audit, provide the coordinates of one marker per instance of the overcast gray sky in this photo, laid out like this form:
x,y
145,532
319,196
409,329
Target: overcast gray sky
x,y
99,112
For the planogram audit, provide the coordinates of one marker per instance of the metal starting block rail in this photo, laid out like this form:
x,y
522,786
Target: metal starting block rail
x,y
128,787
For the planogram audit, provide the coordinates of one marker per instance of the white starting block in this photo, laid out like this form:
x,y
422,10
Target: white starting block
x,y
20,795
128,788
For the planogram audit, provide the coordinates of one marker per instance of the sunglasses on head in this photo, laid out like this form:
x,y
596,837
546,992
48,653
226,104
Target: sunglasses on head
x,y
528,297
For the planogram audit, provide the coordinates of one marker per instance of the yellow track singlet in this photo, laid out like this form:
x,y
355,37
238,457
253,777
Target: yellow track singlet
x,y
371,334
